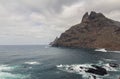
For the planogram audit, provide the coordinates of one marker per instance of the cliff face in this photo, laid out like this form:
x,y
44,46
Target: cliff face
x,y
94,31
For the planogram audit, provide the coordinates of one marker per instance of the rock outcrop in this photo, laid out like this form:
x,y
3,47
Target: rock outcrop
x,y
97,70
94,31
114,65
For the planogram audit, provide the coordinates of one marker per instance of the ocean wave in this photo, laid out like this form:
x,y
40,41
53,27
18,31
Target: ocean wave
x,y
82,68
109,60
104,50
115,51
109,68
32,63
5,73
101,50
5,68
78,69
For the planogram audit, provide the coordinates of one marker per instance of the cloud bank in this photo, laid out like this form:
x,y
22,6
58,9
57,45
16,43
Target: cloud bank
x,y
40,21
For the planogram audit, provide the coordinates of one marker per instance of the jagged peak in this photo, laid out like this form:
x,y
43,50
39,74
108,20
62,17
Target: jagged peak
x,y
96,14
85,16
92,16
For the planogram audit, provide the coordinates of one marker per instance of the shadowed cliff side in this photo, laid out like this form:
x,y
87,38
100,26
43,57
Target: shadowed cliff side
x,y
94,31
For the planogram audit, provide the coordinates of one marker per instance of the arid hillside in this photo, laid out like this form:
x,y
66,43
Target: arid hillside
x,y
94,31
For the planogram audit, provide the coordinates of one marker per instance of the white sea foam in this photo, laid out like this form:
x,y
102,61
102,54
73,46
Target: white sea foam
x,y
109,60
115,51
5,73
5,68
32,63
109,68
78,69
101,50
104,50
81,68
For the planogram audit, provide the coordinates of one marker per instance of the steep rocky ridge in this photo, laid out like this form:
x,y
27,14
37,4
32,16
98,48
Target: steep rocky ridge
x,y
94,31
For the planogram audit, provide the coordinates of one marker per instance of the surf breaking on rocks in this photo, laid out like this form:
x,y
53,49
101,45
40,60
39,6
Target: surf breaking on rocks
x,y
90,71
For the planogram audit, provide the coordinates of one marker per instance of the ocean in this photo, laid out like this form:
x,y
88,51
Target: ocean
x,y
45,62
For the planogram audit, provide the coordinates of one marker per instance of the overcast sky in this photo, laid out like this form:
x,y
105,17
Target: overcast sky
x,y
40,21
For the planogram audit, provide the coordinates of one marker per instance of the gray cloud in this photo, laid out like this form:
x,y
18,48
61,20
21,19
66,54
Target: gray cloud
x,y
40,21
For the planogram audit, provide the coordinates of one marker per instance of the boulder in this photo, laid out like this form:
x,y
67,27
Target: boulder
x,y
114,65
97,70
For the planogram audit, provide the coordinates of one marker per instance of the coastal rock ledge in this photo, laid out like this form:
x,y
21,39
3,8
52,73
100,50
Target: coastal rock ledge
x,y
94,31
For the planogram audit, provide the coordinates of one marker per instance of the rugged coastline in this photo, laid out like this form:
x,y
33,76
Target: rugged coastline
x,y
94,31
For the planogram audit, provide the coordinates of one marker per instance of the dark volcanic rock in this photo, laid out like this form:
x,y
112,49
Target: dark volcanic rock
x,y
94,31
114,65
97,70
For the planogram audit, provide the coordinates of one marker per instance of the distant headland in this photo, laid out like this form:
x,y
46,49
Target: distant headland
x,y
94,31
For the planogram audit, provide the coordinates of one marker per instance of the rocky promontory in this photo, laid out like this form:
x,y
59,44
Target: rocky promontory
x,y
94,31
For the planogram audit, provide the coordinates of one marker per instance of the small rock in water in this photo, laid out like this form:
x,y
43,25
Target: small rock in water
x,y
114,65
70,68
92,77
97,70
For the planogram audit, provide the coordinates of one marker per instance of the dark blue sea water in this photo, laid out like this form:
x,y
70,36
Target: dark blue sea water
x,y
44,62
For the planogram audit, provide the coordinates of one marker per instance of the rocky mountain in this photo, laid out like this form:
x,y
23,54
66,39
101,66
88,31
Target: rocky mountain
x,y
94,31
